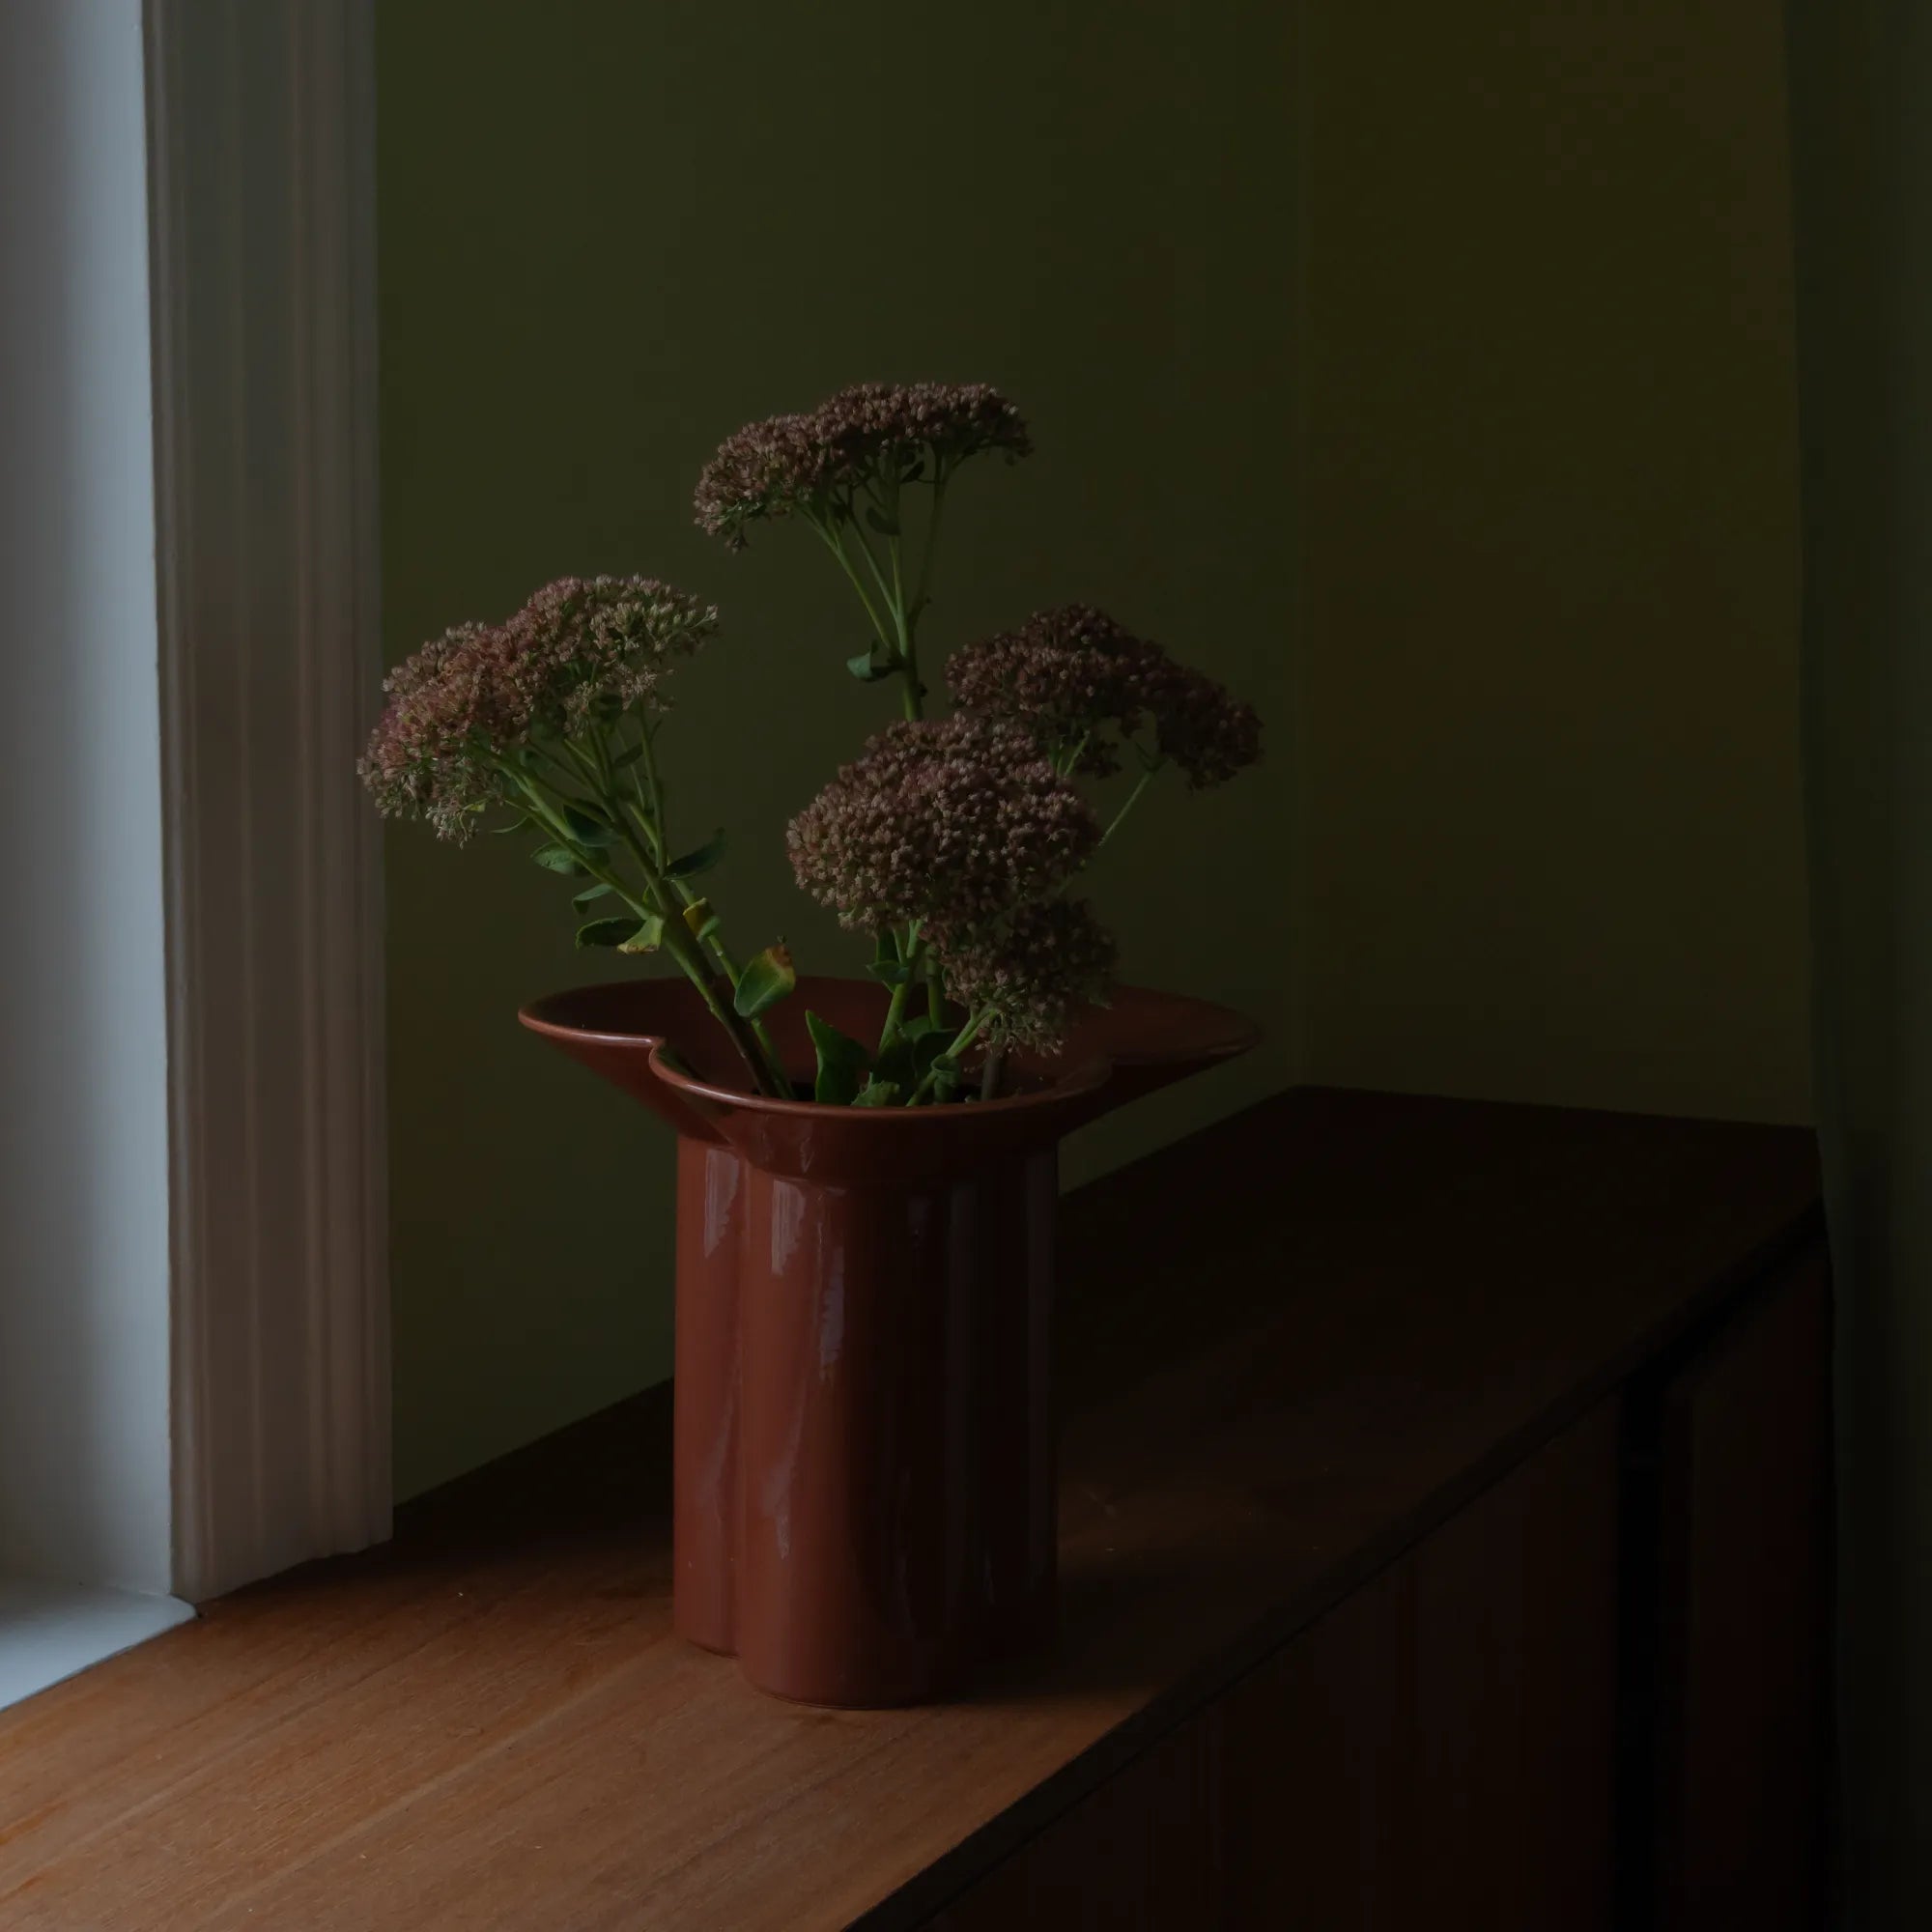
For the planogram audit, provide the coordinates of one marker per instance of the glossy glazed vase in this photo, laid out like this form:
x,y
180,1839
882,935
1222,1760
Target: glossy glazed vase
x,y
864,1459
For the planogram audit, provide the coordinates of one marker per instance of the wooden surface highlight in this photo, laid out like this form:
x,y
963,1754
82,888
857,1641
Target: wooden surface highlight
x,y
1293,1346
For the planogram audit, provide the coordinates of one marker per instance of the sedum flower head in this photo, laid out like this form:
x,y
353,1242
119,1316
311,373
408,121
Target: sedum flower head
x,y
817,459
585,647
1202,728
421,761
1085,685
953,824
1036,969
579,649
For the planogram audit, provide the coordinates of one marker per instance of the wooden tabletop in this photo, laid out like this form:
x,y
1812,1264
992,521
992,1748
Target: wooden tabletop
x,y
1293,1344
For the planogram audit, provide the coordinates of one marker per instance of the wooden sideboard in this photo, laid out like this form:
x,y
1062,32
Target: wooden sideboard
x,y
1446,1535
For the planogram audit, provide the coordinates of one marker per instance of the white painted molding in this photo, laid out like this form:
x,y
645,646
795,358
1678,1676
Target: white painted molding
x,y
261,159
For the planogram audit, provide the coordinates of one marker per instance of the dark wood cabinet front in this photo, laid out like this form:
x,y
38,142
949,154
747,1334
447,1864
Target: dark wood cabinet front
x,y
1437,1750
1743,1701
1594,1699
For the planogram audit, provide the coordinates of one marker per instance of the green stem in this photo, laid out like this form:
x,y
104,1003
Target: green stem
x,y
892,543
557,765
660,904
952,1053
1145,778
912,957
910,613
729,965
989,1071
904,652
913,693
644,828
650,790
921,595
864,542
830,535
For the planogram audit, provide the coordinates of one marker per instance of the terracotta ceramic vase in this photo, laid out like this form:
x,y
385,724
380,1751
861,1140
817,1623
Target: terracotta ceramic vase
x,y
863,1468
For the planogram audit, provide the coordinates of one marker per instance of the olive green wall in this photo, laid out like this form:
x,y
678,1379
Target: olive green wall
x,y
611,233
1538,836
1549,779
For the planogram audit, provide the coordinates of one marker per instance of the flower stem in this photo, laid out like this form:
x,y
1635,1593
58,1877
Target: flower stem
x,y
643,827
650,789
901,644
832,536
914,958
989,1071
1145,778
662,905
907,616
952,1053
922,595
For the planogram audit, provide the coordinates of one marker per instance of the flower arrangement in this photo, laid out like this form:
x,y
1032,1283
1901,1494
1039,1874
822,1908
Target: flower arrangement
x,y
952,843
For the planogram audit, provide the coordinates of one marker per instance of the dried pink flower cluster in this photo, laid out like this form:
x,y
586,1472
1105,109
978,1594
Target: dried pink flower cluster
x,y
420,763
951,824
1076,678
471,697
603,644
1201,726
817,460
1035,969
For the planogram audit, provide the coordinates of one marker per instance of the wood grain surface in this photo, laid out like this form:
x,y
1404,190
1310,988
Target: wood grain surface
x,y
1292,1346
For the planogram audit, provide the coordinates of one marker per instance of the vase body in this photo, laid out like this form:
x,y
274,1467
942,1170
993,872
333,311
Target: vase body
x,y
865,1502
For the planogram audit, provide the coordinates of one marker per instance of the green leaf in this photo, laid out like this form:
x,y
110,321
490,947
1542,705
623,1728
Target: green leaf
x,y
702,920
918,1045
876,1094
869,667
841,1064
628,757
930,1048
647,937
561,859
766,980
887,526
584,899
518,824
892,973
894,1062
589,830
702,860
607,931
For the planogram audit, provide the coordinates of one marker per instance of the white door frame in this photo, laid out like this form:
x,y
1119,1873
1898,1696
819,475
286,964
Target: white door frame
x,y
261,195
